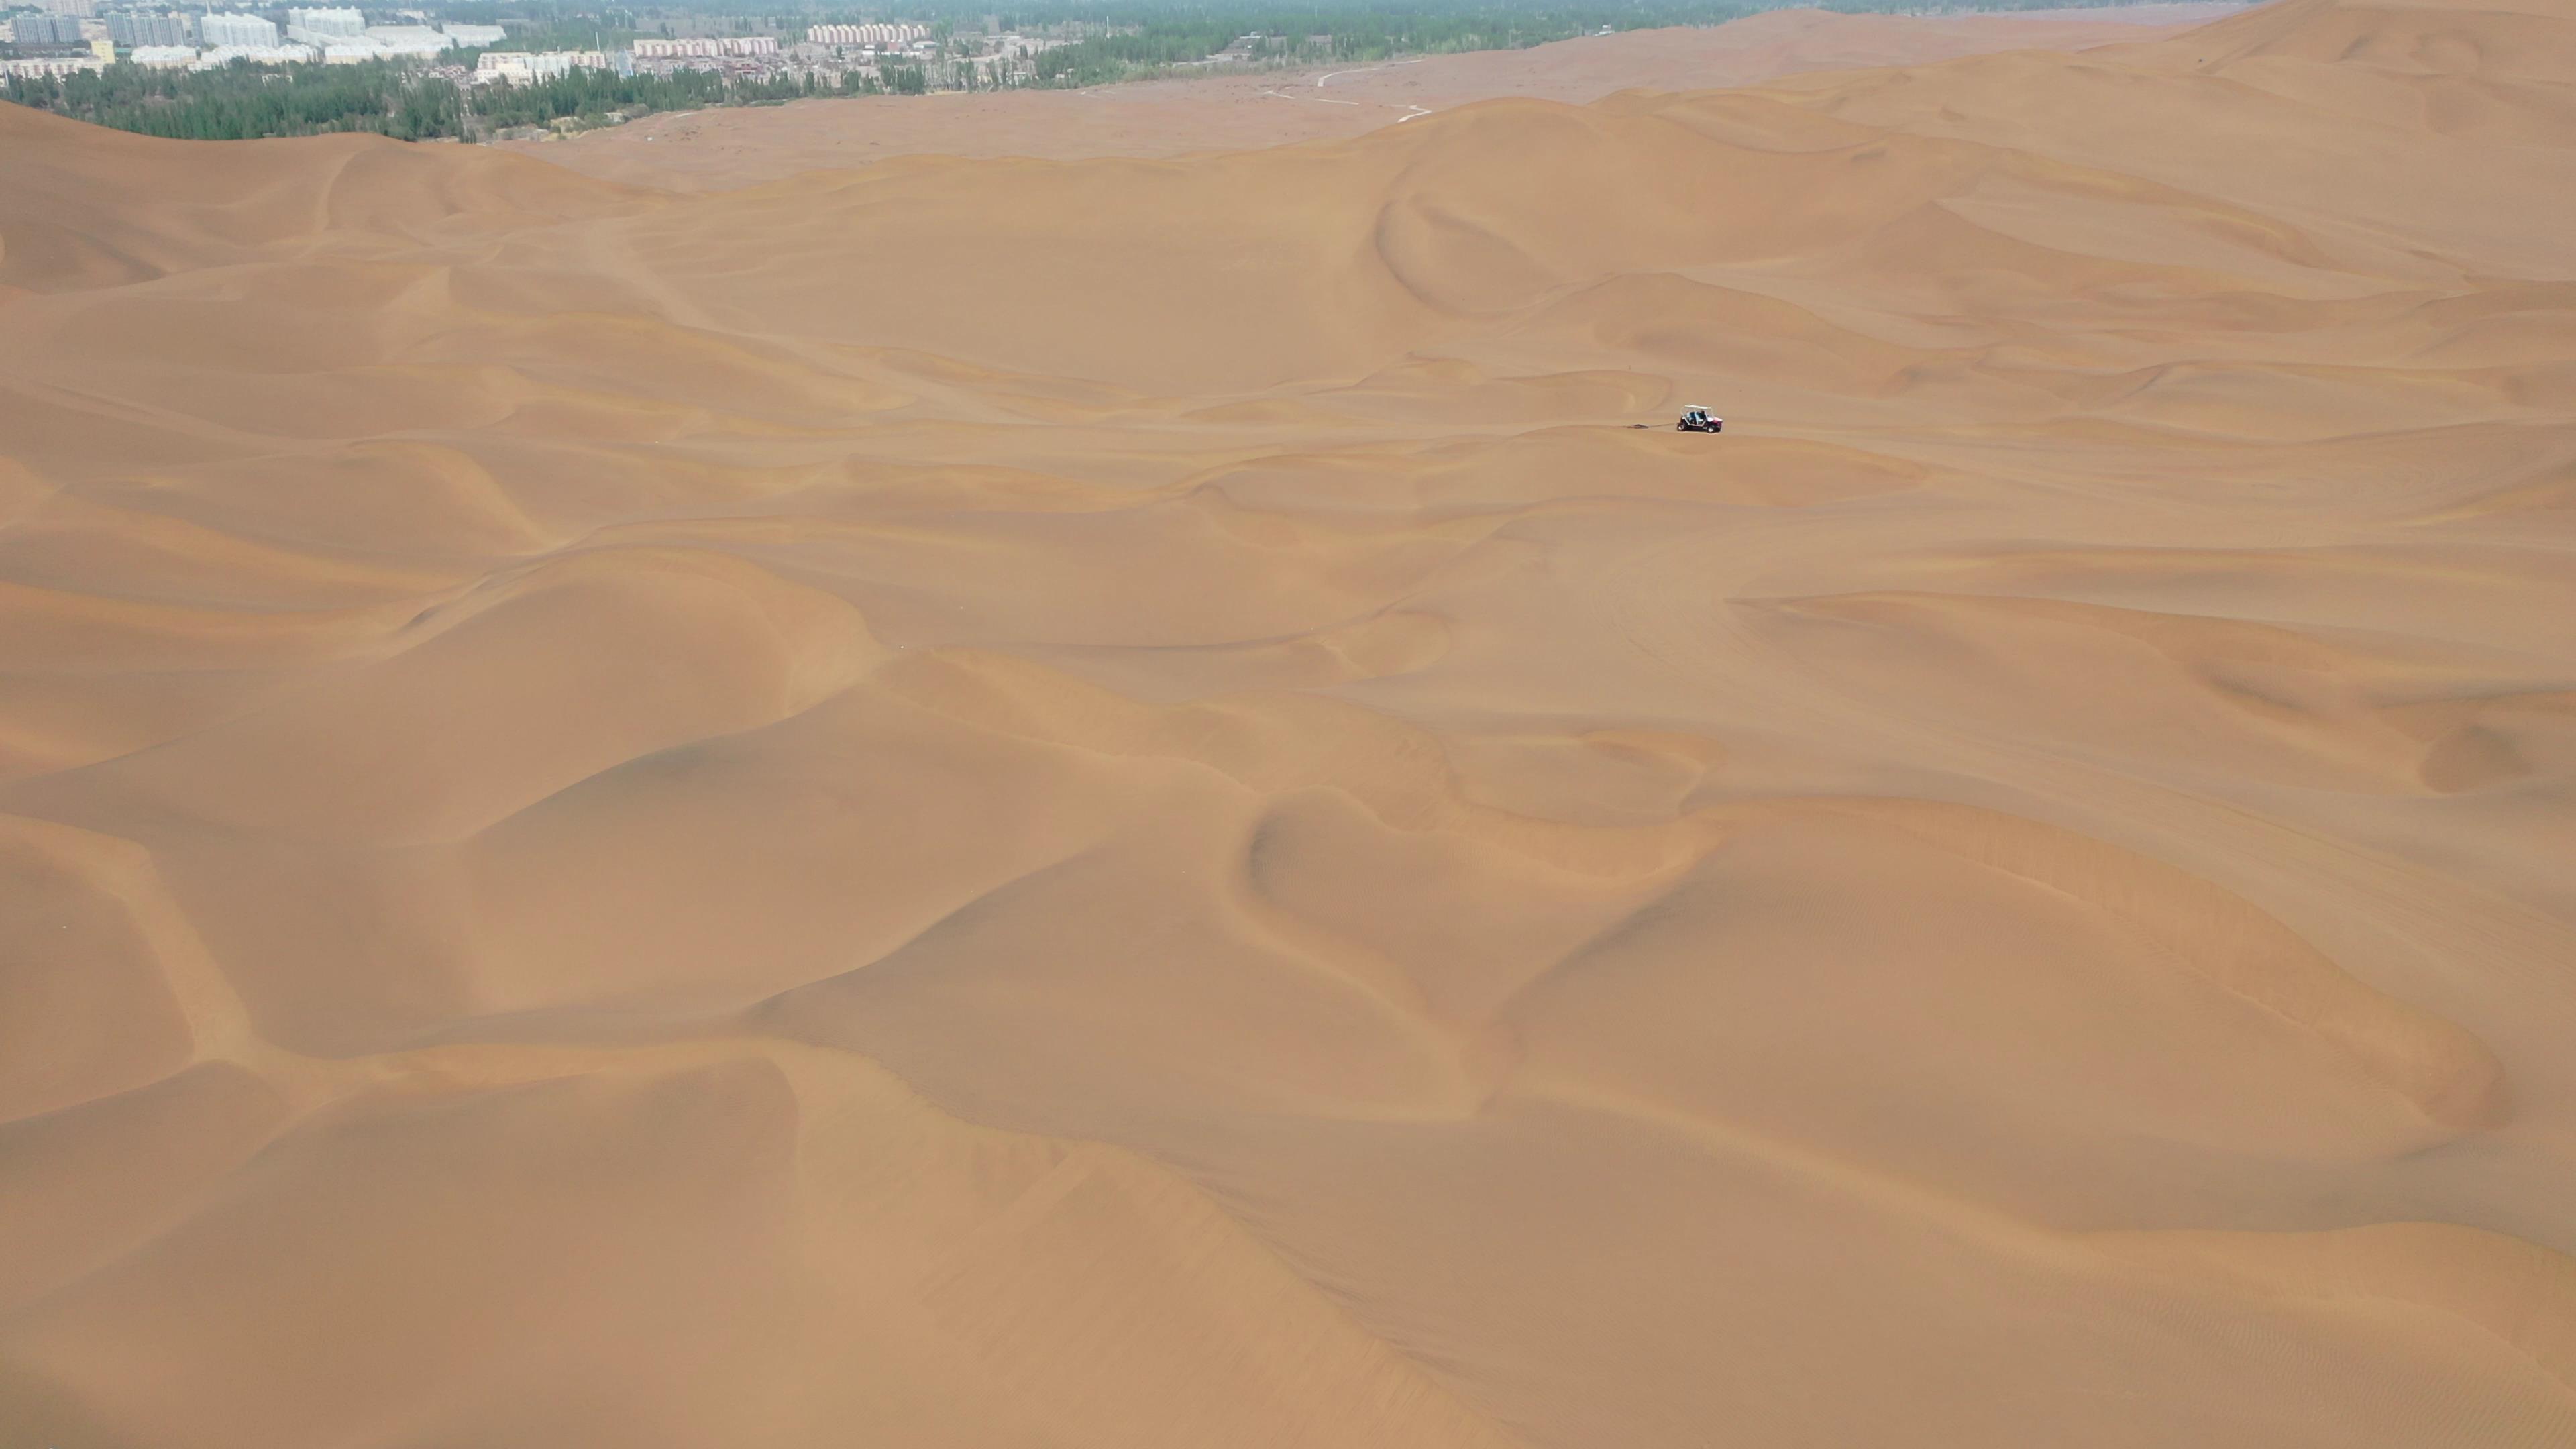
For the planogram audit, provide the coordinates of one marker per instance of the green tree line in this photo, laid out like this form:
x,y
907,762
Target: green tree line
x,y
1160,37
592,95
1121,40
242,101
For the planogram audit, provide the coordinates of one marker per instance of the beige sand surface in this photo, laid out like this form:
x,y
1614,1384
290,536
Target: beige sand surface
x,y
722,149
1025,803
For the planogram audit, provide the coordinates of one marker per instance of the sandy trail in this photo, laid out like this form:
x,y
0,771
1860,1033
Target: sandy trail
x,y
997,802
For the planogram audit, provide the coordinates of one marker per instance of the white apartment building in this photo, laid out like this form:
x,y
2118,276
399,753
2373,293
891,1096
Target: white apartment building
x,y
163,57
44,30
704,45
236,30
351,52
54,66
520,67
400,41
142,28
867,34
320,26
224,55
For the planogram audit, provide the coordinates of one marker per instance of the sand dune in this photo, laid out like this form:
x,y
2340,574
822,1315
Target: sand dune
x,y
1145,801
724,149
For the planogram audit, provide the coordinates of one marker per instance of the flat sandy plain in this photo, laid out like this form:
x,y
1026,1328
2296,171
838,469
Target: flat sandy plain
x,y
723,149
997,803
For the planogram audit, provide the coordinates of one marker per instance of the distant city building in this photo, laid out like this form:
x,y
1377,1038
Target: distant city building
x,y
51,66
867,34
329,22
77,9
224,55
469,36
140,28
322,27
520,67
223,30
707,45
163,57
45,30
394,42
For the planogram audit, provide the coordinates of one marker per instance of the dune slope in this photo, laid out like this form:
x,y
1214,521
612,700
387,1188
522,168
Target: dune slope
x,y
1147,802
1225,110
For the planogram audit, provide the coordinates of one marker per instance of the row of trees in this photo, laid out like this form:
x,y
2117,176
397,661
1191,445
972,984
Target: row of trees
x,y
1136,37
242,101
593,95
1157,37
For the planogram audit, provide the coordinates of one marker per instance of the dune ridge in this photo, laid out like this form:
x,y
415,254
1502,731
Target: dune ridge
x,y
725,149
1144,800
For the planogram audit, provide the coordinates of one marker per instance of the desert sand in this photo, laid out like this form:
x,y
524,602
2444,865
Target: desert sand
x,y
1147,802
728,148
